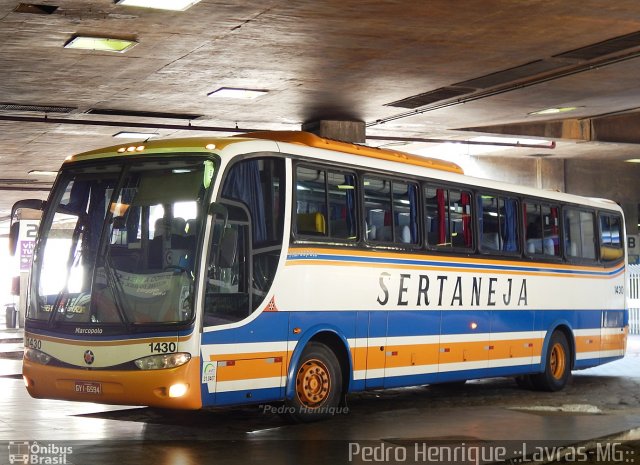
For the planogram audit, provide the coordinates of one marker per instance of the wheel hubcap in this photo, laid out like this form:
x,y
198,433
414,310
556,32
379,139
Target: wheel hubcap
x,y
313,383
557,361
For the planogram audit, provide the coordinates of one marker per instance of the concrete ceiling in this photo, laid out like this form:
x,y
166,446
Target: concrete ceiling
x,y
429,69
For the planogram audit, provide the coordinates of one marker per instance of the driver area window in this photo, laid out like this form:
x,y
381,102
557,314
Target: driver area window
x,y
245,249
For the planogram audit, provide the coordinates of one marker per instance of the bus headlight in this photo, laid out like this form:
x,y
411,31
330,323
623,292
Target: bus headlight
x,y
37,356
160,362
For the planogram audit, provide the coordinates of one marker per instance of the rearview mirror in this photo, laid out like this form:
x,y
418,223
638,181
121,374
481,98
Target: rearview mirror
x,y
14,229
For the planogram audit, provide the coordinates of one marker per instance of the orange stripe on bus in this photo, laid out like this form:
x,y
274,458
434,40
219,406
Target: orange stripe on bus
x,y
454,352
427,257
250,369
249,355
310,262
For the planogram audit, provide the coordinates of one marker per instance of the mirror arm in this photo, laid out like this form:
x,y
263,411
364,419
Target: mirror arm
x,y
31,204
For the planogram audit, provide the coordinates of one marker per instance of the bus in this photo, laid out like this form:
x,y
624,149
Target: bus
x,y
285,267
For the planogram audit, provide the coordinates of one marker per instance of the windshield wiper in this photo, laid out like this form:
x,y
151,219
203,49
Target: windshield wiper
x,y
74,256
115,286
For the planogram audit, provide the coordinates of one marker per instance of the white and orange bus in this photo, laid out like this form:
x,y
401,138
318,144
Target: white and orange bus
x,y
286,267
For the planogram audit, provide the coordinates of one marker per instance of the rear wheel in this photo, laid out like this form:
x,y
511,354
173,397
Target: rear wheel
x,y
557,369
318,385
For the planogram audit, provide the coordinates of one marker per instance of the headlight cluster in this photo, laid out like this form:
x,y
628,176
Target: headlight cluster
x,y
37,356
159,362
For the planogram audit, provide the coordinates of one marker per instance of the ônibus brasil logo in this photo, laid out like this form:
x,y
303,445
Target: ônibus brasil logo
x,y
41,454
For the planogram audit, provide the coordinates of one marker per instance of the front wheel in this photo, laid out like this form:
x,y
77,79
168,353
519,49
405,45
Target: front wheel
x,y
557,370
318,385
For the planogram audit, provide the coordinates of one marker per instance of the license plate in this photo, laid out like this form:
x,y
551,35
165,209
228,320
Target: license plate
x,y
88,387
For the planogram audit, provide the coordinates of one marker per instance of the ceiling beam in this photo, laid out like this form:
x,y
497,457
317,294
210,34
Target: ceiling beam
x,y
620,128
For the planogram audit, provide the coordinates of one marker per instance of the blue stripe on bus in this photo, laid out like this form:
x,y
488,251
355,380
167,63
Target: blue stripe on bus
x,y
273,326
459,375
592,362
268,327
414,323
507,321
243,397
278,326
446,264
587,363
577,319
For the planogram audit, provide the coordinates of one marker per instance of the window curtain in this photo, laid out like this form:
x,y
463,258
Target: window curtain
x,y
413,212
243,183
554,230
442,216
89,197
480,218
133,213
510,233
465,199
350,180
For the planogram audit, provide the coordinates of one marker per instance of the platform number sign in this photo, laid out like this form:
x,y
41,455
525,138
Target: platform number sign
x,y
27,241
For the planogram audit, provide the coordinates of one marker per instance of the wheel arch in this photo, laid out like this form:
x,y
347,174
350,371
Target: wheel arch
x,y
564,327
335,341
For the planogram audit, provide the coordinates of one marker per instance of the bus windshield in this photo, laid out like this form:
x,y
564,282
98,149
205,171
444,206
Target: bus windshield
x,y
118,241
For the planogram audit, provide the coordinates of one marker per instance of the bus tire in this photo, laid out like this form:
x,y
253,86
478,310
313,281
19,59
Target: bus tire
x,y
557,370
318,385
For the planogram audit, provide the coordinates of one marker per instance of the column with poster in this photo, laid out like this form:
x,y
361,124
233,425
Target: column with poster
x,y
26,244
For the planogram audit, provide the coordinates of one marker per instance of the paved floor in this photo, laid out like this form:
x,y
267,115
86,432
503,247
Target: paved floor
x,y
423,423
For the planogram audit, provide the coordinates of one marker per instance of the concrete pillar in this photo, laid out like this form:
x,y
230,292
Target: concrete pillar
x,y
345,131
613,180
551,174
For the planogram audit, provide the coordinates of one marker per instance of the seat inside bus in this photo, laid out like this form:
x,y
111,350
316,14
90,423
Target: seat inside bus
x,y
311,223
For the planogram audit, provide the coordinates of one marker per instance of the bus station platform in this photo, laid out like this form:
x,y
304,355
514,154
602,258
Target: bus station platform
x,y
599,412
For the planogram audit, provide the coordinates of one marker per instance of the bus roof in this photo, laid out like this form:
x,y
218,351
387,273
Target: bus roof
x,y
205,145
295,137
311,140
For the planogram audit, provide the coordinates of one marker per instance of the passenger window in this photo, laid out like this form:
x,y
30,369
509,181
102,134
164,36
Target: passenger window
x,y
541,229
611,248
325,203
311,211
498,223
391,210
448,218
579,236
342,205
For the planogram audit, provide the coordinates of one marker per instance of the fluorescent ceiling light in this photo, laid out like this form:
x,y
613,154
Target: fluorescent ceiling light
x,y
135,135
103,44
230,92
552,111
515,141
174,5
42,173
633,160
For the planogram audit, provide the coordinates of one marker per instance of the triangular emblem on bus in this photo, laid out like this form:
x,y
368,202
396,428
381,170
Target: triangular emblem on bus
x,y
271,306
